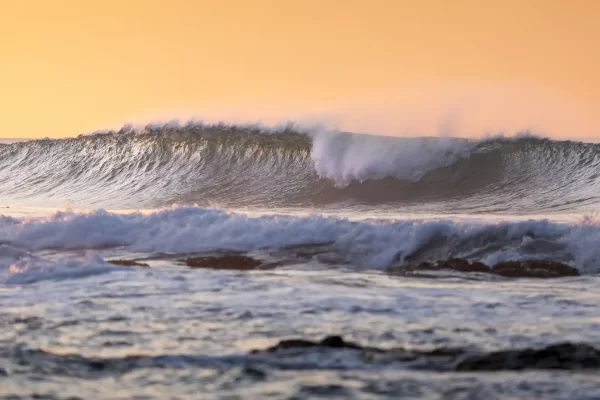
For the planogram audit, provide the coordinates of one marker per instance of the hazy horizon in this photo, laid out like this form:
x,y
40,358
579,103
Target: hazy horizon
x,y
401,68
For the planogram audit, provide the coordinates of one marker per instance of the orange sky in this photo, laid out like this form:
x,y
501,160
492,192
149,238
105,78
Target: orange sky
x,y
394,67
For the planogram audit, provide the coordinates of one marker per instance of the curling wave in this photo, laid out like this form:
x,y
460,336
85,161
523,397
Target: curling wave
x,y
250,166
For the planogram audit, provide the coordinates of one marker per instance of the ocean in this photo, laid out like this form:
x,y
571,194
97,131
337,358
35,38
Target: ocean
x,y
245,262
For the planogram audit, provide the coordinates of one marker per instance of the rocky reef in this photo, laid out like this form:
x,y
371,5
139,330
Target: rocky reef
x,y
224,261
242,262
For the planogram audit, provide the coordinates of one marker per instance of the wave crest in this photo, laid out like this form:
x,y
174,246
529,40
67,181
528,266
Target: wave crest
x,y
288,166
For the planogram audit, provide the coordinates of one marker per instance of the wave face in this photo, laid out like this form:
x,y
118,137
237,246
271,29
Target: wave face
x,y
247,166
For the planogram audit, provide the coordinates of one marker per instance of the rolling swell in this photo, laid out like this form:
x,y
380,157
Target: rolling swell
x,y
249,166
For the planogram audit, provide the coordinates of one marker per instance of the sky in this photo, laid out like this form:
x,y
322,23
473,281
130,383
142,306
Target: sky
x,y
461,68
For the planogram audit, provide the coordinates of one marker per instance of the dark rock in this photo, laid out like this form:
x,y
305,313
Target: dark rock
x,y
367,354
128,263
337,342
329,342
533,269
455,264
511,269
293,344
226,261
566,356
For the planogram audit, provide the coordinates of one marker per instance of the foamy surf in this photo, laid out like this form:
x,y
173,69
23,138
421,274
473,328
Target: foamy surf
x,y
359,245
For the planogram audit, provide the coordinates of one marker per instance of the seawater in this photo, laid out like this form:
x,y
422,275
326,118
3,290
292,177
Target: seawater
x,y
331,219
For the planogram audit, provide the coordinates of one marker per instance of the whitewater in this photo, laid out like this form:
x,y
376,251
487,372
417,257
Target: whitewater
x,y
164,261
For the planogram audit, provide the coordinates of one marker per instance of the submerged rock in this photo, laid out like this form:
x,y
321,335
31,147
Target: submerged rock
x,y
534,269
367,354
128,263
564,356
559,356
510,269
226,261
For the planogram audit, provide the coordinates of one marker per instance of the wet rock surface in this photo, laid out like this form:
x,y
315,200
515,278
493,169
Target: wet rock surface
x,y
509,269
323,253
128,263
562,356
533,269
243,262
236,262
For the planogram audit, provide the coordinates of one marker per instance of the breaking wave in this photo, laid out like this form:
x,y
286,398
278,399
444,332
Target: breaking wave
x,y
251,166
367,244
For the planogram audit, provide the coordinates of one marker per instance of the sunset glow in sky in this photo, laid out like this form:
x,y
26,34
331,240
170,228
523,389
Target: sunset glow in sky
x,y
463,68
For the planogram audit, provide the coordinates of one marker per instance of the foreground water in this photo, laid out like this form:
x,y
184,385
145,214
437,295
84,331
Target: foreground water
x,y
192,331
75,326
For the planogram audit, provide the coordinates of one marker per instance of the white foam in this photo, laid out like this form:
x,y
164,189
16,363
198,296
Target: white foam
x,y
19,266
345,157
365,244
